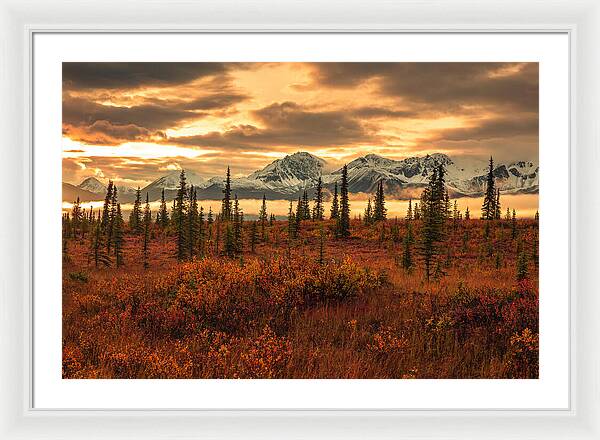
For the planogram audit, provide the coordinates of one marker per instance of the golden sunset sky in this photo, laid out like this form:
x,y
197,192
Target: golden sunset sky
x,y
134,122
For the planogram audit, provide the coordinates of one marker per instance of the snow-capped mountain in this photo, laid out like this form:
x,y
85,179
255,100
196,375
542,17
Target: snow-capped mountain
x,y
288,177
464,176
95,186
294,170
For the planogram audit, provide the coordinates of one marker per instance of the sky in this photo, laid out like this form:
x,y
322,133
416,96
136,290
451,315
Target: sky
x,y
135,122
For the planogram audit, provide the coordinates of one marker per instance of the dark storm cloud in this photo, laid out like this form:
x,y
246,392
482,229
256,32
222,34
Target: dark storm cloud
x,y
215,101
380,112
134,75
454,84
79,111
104,132
286,124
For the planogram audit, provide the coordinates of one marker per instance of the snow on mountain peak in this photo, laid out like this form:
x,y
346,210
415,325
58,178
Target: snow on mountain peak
x,y
292,170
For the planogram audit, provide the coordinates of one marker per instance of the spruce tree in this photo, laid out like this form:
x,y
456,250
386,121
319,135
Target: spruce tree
x,y
537,216
368,215
162,218
226,202
467,214
146,225
107,207
379,209
305,206
112,213
262,217
433,212
237,225
417,212
318,210
497,210
179,217
335,207
117,236
201,233
98,248
343,229
291,223
409,211
488,209
513,225
135,217
321,259
192,223
76,216
210,218
253,236
229,242
271,219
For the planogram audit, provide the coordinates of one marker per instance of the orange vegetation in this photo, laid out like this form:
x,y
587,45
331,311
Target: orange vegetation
x,y
281,313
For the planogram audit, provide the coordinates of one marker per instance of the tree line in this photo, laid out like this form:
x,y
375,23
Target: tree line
x,y
198,233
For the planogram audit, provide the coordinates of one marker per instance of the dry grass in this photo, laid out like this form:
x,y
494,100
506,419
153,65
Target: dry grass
x,y
280,314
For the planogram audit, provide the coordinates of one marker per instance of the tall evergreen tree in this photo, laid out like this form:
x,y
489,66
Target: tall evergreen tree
x,y
335,207
409,211
343,229
112,213
321,259
201,233
117,235
262,217
318,209
162,218
226,202
135,217
467,214
146,226
76,215
229,242
299,214
107,207
368,215
253,236
192,223
379,209
291,223
238,217
303,208
179,216
513,225
497,211
488,210
98,248
433,212
210,218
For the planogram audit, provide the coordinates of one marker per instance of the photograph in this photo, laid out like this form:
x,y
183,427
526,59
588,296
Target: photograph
x,y
300,220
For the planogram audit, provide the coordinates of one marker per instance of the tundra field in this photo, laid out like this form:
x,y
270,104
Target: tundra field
x,y
311,306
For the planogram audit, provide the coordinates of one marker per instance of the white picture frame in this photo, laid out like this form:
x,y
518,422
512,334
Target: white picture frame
x,y
20,20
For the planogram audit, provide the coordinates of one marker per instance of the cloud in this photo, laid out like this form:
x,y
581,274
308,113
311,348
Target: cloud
x,y
133,75
504,127
214,101
450,84
381,112
286,124
103,132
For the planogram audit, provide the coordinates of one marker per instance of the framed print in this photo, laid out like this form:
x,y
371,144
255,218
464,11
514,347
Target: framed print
x,y
367,226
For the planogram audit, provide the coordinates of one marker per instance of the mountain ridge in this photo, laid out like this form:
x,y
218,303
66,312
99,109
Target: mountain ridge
x,y
288,177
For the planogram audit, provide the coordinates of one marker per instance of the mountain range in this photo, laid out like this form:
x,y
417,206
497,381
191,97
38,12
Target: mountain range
x,y
288,177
